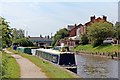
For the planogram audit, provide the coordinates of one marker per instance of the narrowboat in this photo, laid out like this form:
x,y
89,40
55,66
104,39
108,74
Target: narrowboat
x,y
59,55
24,50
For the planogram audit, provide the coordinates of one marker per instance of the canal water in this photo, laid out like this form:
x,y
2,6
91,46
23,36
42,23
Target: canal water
x,y
89,66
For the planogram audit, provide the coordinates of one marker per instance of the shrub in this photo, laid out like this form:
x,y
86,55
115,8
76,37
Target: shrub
x,y
84,39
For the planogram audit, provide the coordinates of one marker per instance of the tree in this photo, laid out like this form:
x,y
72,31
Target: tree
x,y
99,31
24,42
6,33
62,33
84,39
18,33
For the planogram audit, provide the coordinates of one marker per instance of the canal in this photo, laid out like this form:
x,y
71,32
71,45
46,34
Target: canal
x,y
89,66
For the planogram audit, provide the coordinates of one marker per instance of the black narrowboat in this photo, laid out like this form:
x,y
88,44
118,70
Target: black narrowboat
x,y
59,56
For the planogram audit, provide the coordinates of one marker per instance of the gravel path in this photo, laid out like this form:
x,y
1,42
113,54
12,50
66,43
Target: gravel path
x,y
27,68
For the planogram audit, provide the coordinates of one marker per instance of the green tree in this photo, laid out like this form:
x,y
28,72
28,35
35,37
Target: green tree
x,y
84,39
6,33
62,33
18,33
99,31
24,42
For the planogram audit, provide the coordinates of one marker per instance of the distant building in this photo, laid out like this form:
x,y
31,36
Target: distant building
x,y
41,41
93,19
67,42
70,27
75,31
74,35
72,32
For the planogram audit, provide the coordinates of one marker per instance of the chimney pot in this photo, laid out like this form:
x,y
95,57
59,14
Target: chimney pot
x,y
104,18
92,18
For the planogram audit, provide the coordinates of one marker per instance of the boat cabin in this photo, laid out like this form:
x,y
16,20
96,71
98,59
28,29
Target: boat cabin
x,y
60,56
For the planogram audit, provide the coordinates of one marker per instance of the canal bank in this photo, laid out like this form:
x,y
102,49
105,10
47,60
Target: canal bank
x,y
108,51
52,71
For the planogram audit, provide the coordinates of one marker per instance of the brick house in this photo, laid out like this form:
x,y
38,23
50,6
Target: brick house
x,y
93,19
75,31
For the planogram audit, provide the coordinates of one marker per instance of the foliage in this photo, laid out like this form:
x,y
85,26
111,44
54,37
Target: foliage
x,y
84,39
24,42
6,33
49,69
10,68
18,33
62,33
99,31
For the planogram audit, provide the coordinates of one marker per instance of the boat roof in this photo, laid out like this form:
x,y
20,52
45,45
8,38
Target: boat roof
x,y
52,51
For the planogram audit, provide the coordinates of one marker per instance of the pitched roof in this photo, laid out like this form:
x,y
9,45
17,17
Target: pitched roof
x,y
39,39
96,20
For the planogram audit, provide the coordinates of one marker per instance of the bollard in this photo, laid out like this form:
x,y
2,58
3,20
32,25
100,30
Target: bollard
x,y
96,53
103,53
116,54
112,56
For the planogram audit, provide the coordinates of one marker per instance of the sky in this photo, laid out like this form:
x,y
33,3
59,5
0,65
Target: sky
x,y
43,17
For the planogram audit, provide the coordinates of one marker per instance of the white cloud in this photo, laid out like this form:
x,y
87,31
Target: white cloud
x,y
44,18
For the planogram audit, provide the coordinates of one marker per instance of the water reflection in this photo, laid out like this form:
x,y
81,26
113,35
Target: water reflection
x,y
96,67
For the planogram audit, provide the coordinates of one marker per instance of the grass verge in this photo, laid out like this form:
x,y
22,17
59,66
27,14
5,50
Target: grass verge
x,y
49,69
102,48
10,68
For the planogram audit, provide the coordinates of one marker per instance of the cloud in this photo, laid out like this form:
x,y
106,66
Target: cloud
x,y
44,18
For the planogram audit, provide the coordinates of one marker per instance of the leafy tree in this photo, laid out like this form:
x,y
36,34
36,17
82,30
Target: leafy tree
x,y
6,33
24,42
18,33
62,33
84,39
99,31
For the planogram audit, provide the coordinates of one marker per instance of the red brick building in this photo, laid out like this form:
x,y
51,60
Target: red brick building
x,y
93,19
75,31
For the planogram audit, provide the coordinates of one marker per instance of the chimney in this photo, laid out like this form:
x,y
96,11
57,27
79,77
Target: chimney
x,y
104,18
75,25
92,18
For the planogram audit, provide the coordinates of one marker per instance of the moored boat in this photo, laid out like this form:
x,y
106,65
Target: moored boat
x,y
59,55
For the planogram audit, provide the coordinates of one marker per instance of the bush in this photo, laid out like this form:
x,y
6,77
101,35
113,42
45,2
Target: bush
x,y
24,42
84,39
10,68
97,43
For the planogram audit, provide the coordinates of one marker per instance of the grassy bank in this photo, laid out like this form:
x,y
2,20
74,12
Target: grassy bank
x,y
50,70
102,48
10,68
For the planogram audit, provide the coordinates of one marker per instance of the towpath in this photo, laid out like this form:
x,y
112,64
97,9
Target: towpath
x,y
27,68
